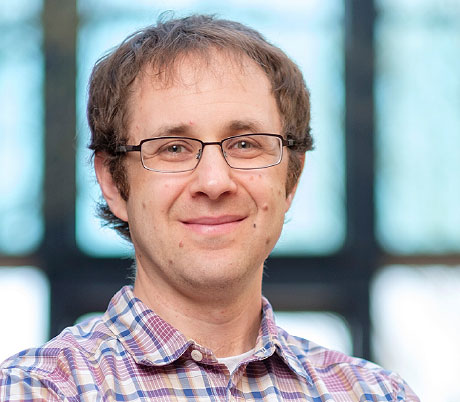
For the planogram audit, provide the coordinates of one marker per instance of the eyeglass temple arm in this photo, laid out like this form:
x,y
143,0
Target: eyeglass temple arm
x,y
128,148
289,142
304,145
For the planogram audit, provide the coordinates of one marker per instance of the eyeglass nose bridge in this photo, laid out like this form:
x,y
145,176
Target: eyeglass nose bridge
x,y
201,151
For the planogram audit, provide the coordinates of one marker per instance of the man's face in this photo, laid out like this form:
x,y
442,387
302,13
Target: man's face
x,y
212,227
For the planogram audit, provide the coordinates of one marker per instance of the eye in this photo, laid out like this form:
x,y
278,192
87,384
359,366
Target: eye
x,y
243,144
175,148
171,149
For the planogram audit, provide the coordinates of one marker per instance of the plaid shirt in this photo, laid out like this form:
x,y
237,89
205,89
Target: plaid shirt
x,y
131,354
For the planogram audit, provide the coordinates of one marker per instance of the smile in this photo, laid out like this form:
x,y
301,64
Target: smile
x,y
214,225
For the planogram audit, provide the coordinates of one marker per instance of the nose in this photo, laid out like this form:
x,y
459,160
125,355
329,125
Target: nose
x,y
212,177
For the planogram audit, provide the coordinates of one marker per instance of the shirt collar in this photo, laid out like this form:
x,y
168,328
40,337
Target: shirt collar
x,y
152,341
147,337
273,339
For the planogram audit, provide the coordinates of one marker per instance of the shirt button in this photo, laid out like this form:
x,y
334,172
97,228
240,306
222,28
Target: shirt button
x,y
197,355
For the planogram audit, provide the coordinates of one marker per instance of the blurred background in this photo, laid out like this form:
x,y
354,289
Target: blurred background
x,y
369,260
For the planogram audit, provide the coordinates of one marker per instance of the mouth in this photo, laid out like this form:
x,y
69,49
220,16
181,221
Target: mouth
x,y
214,225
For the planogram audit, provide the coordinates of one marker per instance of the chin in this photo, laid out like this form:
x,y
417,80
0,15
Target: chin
x,y
220,277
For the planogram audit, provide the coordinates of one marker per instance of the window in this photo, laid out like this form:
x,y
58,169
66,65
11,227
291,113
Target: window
x,y
324,328
21,127
416,327
306,31
24,309
404,73
418,126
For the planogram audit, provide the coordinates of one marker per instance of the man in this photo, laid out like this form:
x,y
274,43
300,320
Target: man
x,y
199,129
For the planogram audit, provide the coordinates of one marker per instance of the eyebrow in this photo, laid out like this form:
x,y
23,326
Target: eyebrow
x,y
249,126
252,126
165,131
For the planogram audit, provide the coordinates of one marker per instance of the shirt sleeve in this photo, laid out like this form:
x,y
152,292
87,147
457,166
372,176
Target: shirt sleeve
x,y
410,395
404,391
19,385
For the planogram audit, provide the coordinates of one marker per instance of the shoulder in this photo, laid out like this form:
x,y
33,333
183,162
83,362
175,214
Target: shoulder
x,y
355,374
49,370
83,340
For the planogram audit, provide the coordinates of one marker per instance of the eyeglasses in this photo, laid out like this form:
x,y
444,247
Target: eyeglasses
x,y
182,154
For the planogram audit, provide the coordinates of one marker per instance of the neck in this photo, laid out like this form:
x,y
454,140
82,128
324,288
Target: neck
x,y
226,322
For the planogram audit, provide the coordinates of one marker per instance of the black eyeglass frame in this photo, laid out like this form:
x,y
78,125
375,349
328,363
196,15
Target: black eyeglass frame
x,y
137,148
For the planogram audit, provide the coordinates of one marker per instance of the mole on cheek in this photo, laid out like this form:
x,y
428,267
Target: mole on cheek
x,y
267,241
265,207
254,225
144,206
170,262
181,244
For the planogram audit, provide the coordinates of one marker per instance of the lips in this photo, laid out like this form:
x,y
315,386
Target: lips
x,y
218,220
213,224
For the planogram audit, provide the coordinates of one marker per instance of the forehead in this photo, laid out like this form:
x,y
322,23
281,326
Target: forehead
x,y
210,90
190,68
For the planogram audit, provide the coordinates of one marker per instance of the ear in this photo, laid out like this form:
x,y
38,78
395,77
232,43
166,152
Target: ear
x,y
290,196
109,189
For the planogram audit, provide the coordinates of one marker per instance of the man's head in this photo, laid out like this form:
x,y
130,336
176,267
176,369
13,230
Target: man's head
x,y
161,49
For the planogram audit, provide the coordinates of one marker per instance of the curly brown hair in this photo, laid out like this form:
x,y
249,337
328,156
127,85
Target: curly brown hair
x,y
161,46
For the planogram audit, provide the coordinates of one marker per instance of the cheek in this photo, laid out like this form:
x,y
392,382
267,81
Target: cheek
x,y
142,208
154,192
271,204
269,191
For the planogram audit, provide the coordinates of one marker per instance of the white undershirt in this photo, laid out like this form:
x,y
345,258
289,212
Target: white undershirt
x,y
233,361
